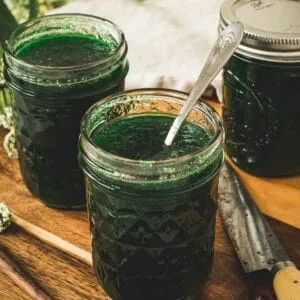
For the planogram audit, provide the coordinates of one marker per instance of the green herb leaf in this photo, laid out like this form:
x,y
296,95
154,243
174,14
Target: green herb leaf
x,y
33,9
7,21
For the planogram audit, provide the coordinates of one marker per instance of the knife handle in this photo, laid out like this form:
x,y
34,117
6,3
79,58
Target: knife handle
x,y
287,284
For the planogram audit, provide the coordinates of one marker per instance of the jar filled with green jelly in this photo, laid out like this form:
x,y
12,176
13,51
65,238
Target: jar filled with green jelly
x,y
57,66
261,91
151,208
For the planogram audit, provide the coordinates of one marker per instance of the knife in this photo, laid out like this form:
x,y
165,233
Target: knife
x,y
252,237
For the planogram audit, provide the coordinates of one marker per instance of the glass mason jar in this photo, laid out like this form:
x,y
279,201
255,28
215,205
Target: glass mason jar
x,y
51,97
152,222
261,107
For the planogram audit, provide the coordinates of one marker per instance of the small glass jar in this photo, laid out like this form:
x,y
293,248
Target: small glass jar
x,y
152,222
261,109
50,100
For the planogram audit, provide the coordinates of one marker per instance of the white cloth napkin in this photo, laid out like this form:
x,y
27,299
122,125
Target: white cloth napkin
x,y
169,40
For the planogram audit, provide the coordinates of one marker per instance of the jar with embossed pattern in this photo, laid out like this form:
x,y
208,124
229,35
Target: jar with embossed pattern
x,y
56,67
151,209
261,87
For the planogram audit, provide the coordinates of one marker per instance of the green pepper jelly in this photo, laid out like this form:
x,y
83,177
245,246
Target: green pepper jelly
x,y
57,66
261,88
151,208
261,113
65,50
142,137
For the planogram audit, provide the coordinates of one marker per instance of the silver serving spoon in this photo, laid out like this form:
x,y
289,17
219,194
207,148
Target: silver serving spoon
x,y
226,44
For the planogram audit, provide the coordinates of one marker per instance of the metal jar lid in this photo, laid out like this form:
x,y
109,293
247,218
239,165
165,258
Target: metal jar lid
x,y
272,28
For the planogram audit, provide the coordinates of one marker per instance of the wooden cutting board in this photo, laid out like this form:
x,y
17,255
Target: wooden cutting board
x,y
66,278
278,198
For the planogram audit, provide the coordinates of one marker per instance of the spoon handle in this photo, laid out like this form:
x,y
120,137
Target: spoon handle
x,y
226,44
53,240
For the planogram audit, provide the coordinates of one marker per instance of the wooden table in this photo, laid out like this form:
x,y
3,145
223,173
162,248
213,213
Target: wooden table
x,y
65,278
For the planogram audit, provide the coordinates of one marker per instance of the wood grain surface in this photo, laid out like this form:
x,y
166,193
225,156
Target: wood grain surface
x,y
65,278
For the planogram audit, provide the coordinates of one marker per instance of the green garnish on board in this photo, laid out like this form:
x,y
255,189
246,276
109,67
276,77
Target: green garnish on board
x,y
5,217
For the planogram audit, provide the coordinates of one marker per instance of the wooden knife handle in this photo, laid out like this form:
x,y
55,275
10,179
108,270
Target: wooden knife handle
x,y
287,284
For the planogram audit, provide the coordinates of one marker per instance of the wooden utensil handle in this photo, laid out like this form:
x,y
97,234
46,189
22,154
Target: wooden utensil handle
x,y
287,284
54,240
9,267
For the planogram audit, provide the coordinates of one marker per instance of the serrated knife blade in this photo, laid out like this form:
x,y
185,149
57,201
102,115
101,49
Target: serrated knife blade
x,y
252,237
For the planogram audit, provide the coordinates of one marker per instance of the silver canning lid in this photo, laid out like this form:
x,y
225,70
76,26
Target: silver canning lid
x,y
272,28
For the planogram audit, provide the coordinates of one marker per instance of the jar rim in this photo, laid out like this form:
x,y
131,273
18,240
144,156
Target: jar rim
x,y
9,55
86,145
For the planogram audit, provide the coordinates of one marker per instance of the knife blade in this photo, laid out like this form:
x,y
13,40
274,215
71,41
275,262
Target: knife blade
x,y
255,243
